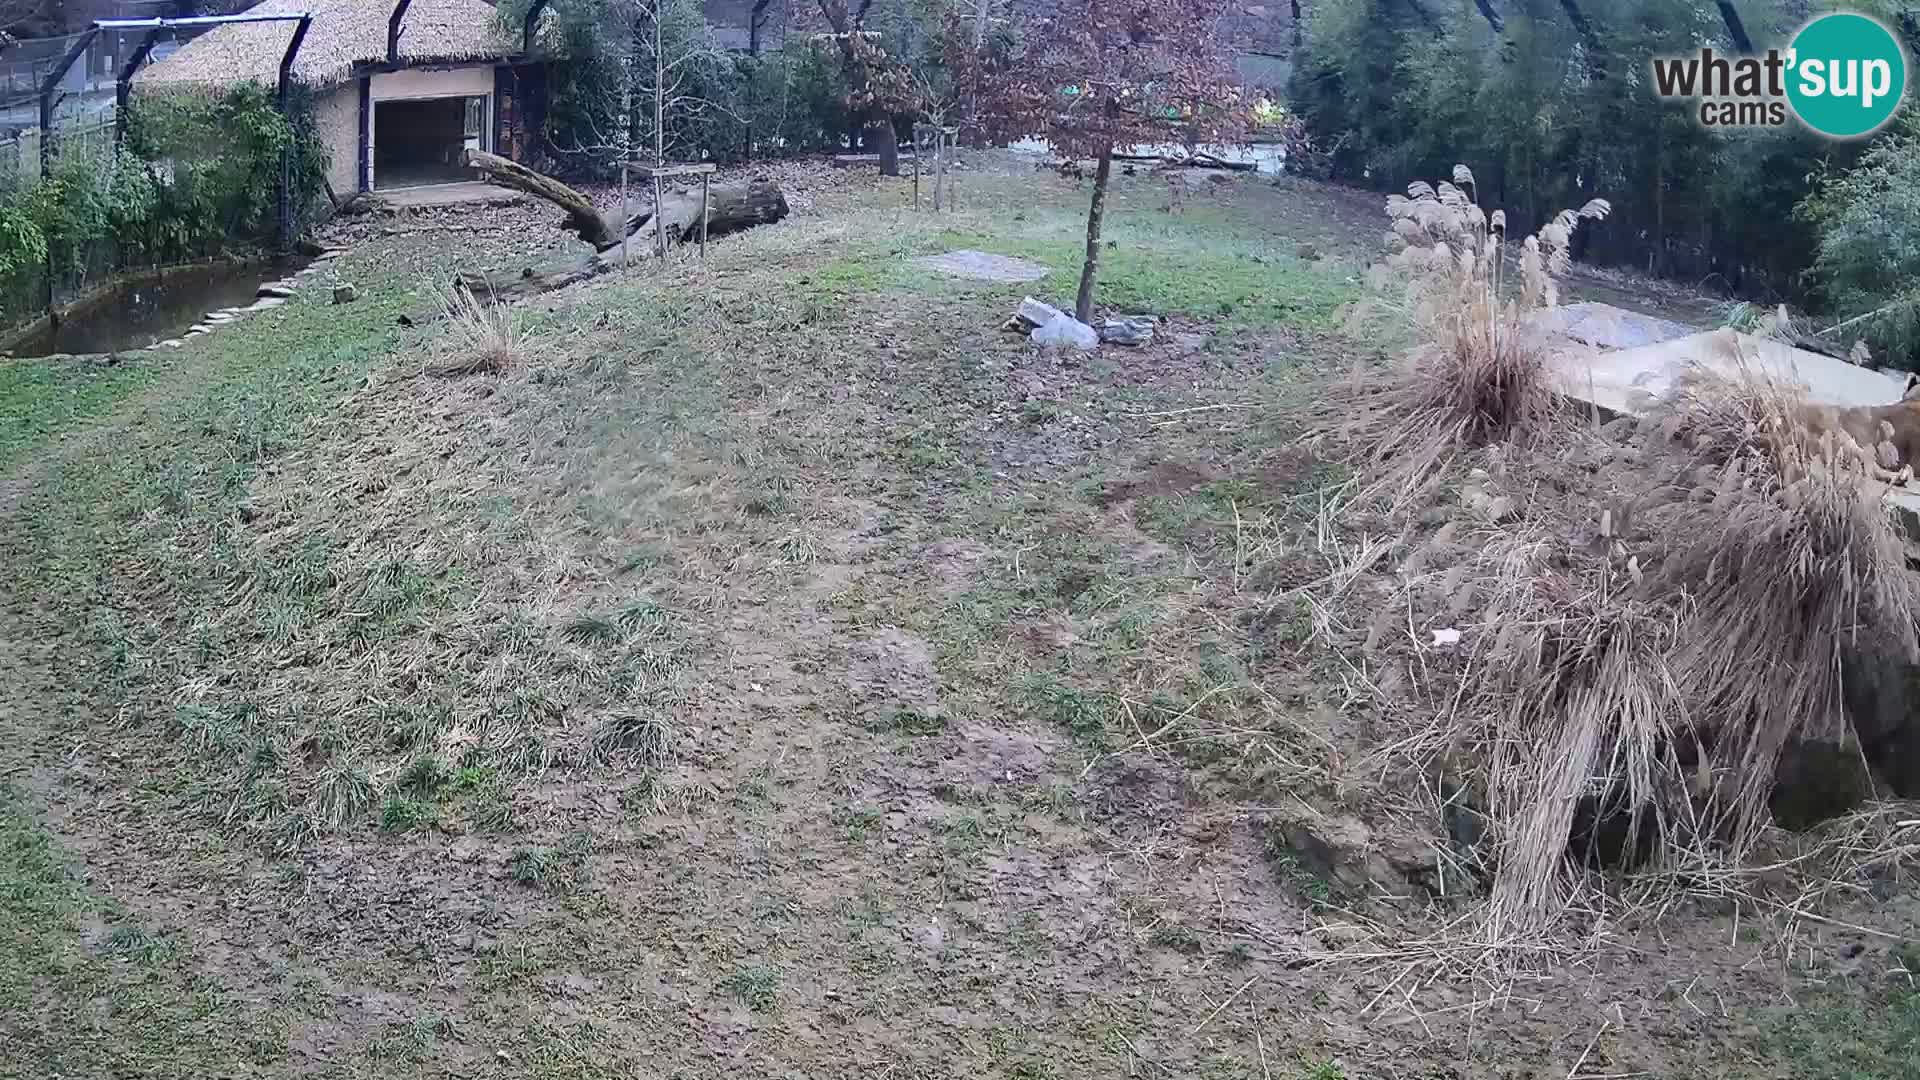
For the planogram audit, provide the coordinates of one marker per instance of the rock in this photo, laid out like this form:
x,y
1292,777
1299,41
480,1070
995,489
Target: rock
x,y
218,318
170,343
1344,852
982,266
1500,508
1188,342
1066,332
267,303
1132,330
1036,314
197,329
345,294
1306,252
280,290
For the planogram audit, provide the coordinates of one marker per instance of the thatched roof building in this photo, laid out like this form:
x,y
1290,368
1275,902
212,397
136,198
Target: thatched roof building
x,y
346,35
456,83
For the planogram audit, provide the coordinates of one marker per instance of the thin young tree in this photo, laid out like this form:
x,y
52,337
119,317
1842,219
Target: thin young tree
x,y
641,78
1101,75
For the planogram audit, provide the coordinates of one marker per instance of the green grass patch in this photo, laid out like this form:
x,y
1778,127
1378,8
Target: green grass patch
x,y
757,986
1868,1035
1160,270
41,400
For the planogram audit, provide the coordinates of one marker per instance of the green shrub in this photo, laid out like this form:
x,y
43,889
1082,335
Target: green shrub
x,y
1868,259
196,176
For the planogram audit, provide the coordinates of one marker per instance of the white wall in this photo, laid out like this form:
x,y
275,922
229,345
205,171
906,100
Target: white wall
x,y
336,120
421,83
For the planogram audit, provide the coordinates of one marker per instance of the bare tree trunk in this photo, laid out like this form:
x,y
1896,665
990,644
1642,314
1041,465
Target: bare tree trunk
x,y
1492,16
755,20
1589,39
659,123
582,218
1083,303
1736,29
887,145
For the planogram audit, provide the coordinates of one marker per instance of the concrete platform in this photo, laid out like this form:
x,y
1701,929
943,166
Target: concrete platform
x,y
1615,380
468,191
1605,326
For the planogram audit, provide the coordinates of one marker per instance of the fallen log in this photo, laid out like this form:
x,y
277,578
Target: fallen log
x,y
507,288
730,207
582,218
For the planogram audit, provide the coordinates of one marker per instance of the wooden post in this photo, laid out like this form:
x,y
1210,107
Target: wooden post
x,y
656,173
939,168
659,234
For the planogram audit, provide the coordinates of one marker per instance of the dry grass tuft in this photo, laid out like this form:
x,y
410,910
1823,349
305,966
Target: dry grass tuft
x,y
1782,541
1627,685
1643,636
482,337
1476,374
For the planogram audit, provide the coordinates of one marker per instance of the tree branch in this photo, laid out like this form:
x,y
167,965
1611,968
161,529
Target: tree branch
x,y
1493,17
1735,28
1596,53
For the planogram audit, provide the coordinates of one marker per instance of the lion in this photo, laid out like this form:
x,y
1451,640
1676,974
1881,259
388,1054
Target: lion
x,y
1891,433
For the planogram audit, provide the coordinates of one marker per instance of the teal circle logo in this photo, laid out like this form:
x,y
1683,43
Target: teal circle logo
x,y
1846,74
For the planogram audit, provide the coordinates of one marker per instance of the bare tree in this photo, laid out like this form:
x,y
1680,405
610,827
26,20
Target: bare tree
x,y
1104,74
662,56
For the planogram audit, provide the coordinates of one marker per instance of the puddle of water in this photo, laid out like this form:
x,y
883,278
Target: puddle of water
x,y
150,309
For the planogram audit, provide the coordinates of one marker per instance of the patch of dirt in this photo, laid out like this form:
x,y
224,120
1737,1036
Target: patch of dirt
x,y
955,564
893,670
1162,479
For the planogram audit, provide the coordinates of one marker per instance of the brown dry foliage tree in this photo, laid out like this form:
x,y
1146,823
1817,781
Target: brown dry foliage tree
x,y
1097,75
879,87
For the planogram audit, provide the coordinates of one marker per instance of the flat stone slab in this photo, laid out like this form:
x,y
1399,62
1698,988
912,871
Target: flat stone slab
x,y
267,303
1607,327
983,266
1615,380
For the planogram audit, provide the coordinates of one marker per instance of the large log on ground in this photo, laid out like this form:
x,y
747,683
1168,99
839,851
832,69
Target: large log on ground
x,y
582,218
506,288
731,207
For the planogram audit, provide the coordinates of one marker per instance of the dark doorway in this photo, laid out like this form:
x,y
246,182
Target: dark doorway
x,y
421,141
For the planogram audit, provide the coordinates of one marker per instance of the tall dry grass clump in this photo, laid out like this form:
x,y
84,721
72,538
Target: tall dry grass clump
x,y
1628,693
1572,712
1779,534
481,337
1643,638
1476,373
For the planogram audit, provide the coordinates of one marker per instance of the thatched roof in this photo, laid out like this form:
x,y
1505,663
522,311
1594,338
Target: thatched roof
x,y
344,33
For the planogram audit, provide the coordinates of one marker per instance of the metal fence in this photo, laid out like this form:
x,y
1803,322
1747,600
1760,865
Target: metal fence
x,y
20,153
